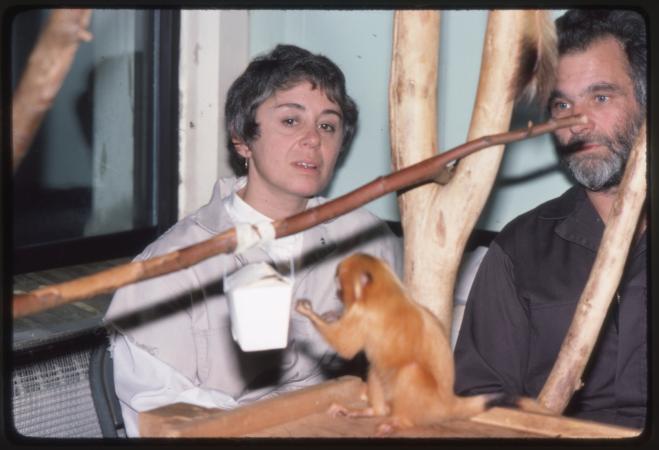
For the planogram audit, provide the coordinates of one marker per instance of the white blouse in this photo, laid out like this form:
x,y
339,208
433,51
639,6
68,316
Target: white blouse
x,y
151,383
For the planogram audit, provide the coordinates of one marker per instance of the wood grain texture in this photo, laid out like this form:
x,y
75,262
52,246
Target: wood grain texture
x,y
303,413
185,420
552,426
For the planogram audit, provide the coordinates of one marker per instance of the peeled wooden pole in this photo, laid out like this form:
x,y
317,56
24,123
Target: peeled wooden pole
x,y
111,279
413,135
565,377
46,70
438,219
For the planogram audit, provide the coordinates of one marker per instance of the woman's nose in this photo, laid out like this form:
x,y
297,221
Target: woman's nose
x,y
311,136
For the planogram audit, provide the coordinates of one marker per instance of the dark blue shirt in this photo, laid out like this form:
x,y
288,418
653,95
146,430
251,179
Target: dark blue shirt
x,y
522,302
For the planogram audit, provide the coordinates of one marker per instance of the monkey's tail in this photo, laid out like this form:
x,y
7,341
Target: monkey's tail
x,y
466,407
515,401
538,58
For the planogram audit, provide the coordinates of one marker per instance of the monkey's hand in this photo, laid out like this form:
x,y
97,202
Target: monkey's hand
x,y
304,308
330,316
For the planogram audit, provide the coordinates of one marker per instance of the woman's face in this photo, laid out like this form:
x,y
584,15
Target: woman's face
x,y
300,136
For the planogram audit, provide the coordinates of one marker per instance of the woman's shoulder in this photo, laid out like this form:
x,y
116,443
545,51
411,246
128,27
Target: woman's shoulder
x,y
363,230
359,219
183,233
199,225
356,216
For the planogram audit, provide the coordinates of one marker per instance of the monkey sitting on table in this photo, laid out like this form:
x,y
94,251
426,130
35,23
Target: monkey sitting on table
x,y
411,371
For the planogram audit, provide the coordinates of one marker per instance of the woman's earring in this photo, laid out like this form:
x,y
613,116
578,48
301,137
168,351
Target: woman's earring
x,y
246,164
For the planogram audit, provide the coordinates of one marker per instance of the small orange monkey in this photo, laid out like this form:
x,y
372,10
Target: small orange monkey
x,y
411,370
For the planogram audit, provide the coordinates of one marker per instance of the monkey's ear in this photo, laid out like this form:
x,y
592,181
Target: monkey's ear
x,y
361,281
365,278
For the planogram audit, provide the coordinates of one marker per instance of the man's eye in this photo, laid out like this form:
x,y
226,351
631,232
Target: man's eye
x,y
559,108
601,98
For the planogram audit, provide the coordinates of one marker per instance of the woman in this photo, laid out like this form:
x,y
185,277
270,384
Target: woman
x,y
288,117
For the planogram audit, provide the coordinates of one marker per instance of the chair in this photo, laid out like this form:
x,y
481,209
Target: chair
x,y
106,402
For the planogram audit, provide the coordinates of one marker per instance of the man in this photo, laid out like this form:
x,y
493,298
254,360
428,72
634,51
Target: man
x,y
525,293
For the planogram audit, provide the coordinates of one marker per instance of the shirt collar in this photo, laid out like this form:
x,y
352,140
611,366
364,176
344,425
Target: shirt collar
x,y
579,221
215,218
581,224
240,211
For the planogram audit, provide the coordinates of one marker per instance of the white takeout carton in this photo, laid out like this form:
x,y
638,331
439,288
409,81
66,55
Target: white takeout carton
x,y
259,306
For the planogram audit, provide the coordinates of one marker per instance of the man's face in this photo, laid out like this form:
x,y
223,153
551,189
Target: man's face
x,y
595,82
299,140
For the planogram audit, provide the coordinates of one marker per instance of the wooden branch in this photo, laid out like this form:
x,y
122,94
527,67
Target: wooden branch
x,y
111,279
438,219
185,420
565,377
46,70
552,426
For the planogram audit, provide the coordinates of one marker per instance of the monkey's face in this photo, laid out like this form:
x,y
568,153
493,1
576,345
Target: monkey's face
x,y
354,275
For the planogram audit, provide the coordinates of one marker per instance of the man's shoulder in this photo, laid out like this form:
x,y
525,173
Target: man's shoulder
x,y
540,220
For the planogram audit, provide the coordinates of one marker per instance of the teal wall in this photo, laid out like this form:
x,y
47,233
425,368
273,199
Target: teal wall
x,y
360,43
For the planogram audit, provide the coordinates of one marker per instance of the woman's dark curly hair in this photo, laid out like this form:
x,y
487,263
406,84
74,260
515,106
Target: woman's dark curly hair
x,y
282,68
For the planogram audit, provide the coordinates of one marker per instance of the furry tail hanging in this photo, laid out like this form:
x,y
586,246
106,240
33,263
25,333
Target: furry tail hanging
x,y
538,58
515,401
467,407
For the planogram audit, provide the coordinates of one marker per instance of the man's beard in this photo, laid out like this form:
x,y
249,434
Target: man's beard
x,y
596,171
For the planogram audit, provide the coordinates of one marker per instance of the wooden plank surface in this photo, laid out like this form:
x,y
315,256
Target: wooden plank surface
x,y
303,413
321,425
187,420
552,426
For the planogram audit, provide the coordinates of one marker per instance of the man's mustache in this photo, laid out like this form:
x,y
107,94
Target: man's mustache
x,y
576,144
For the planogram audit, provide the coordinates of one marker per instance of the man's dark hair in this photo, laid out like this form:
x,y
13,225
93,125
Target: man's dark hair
x,y
282,68
578,28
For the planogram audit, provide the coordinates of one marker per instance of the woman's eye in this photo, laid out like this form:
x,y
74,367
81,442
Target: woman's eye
x,y
328,127
289,121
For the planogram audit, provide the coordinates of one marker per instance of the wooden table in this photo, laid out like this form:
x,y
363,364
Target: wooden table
x,y
303,414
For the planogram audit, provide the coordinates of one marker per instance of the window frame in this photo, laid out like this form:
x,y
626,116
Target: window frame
x,y
161,145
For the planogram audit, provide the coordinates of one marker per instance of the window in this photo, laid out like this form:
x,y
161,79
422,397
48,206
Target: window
x,y
100,178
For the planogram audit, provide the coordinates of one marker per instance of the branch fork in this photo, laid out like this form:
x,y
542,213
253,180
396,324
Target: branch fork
x,y
109,280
